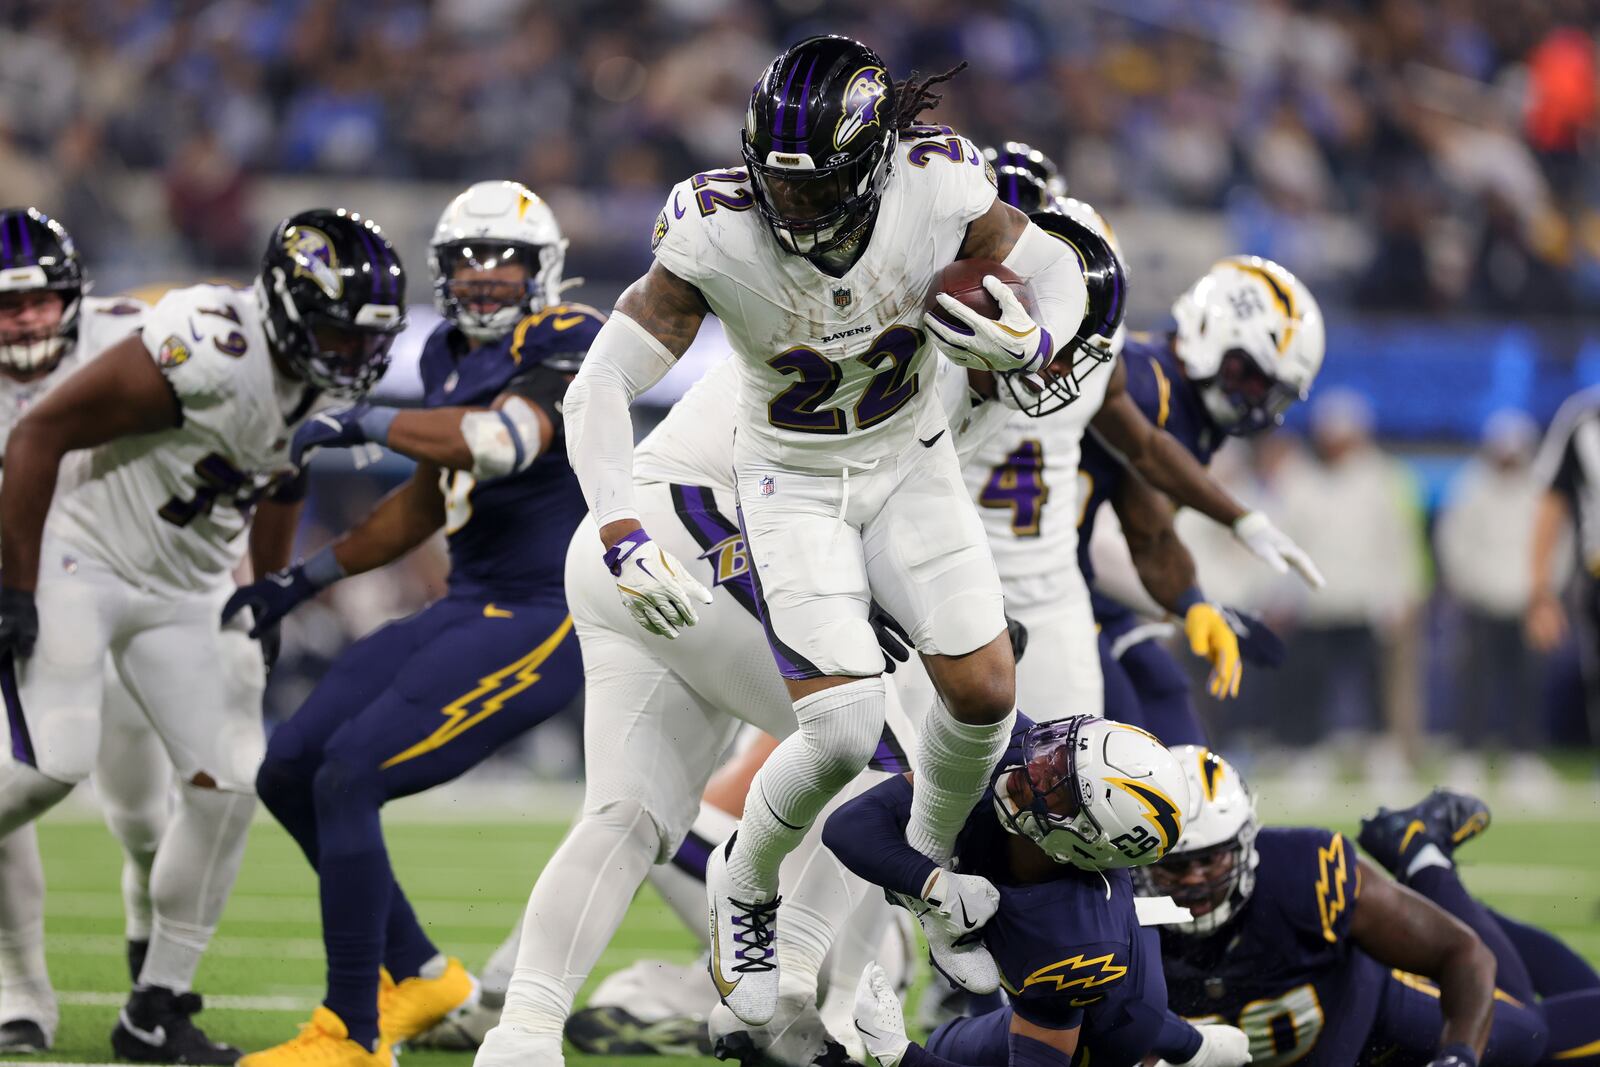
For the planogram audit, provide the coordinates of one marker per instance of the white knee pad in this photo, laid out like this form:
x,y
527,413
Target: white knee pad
x,y
842,727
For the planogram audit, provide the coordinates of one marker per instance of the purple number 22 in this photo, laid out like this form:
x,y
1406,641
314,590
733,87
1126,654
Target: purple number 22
x,y
799,407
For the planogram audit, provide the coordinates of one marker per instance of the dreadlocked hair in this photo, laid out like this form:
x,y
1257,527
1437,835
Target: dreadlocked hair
x,y
913,95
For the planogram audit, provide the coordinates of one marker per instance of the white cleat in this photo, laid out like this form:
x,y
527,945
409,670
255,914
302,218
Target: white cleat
x,y
511,1046
879,1019
953,915
744,952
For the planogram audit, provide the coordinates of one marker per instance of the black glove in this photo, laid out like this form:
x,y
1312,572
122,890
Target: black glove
x,y
1019,637
271,598
19,623
1454,1056
894,641
271,640
1258,642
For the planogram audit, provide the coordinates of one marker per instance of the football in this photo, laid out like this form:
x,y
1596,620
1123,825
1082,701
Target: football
x,y
963,280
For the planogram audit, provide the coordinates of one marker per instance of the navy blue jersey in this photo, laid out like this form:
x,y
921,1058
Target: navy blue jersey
x,y
1284,969
1061,945
508,537
1157,384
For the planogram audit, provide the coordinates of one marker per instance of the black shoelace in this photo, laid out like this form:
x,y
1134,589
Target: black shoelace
x,y
753,933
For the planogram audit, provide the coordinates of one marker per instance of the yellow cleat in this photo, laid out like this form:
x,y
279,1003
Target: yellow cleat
x,y
322,1042
413,1007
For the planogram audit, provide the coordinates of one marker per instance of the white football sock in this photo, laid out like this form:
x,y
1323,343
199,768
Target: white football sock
x,y
574,910
495,977
685,893
25,991
840,728
954,761
196,864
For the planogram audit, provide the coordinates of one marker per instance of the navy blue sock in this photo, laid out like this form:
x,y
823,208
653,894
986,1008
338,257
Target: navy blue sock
x,y
1574,1021
285,789
980,1041
405,947
356,888
1442,886
1554,967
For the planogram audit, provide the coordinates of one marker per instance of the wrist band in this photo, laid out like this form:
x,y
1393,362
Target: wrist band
x,y
322,569
374,422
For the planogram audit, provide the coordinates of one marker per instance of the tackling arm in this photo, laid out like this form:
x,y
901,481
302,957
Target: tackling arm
x,y
1157,455
118,394
1400,928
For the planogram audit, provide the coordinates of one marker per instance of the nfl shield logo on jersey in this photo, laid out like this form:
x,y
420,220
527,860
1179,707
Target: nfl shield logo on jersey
x,y
841,297
767,486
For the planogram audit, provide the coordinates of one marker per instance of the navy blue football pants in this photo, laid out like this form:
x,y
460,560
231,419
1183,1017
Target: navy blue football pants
x,y
409,706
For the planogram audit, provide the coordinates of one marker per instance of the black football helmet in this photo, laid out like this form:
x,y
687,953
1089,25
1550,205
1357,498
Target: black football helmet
x,y
332,295
37,255
1022,189
1023,157
819,142
1107,282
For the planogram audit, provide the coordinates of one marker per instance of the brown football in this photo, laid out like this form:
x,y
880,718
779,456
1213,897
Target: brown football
x,y
963,280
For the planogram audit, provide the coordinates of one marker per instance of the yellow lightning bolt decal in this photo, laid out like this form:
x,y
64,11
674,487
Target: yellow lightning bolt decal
x,y
1060,974
1332,875
491,694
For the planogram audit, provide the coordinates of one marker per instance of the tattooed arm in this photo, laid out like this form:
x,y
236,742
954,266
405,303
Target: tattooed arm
x,y
1050,267
655,320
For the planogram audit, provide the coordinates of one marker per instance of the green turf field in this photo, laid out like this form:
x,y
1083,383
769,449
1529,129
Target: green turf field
x,y
469,882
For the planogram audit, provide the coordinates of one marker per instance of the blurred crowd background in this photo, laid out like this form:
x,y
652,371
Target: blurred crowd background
x,y
1427,166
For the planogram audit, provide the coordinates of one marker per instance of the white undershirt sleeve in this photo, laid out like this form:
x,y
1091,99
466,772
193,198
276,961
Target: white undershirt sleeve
x,y
1052,268
624,360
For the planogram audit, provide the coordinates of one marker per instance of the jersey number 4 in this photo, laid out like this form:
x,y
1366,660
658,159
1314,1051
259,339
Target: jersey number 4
x,y
1019,484
800,407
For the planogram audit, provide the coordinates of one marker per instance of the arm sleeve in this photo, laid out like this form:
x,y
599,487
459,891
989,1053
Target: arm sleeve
x,y
623,362
868,834
1177,1041
1053,270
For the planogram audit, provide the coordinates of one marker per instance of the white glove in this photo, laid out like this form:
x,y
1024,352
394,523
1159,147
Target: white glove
x,y
657,590
967,901
1014,342
1220,1046
1274,548
879,1018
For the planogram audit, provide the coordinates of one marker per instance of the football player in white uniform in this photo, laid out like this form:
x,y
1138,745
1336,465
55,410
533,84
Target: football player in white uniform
x,y
1031,493
817,256
189,425
48,328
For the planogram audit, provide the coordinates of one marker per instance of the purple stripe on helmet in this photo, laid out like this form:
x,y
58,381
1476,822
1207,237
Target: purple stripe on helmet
x,y
27,238
887,759
372,258
21,740
801,124
5,241
784,102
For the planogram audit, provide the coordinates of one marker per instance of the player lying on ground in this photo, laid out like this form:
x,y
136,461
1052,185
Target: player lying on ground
x,y
48,328
421,700
189,425
1249,344
1324,960
1073,804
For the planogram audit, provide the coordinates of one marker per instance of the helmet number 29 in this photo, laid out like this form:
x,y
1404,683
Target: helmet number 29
x,y
1136,843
